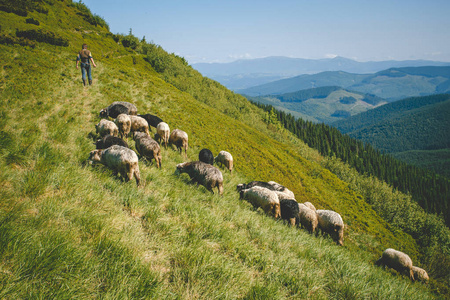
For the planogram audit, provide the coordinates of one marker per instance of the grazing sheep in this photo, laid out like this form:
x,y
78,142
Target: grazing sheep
x,y
244,186
152,120
119,159
105,127
282,188
162,133
139,124
148,147
224,158
117,108
398,261
109,140
179,138
206,156
289,210
123,122
204,174
331,223
264,198
310,206
282,195
307,218
420,274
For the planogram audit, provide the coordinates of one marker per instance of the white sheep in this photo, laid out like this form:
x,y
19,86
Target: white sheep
x,y
225,159
123,122
264,198
398,261
307,218
420,274
310,206
179,138
139,124
119,159
105,127
331,222
282,188
162,133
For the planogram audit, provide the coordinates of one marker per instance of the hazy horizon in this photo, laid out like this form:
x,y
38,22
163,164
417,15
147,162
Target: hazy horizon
x,y
216,31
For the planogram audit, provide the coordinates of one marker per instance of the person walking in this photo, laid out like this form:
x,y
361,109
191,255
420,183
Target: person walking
x,y
85,56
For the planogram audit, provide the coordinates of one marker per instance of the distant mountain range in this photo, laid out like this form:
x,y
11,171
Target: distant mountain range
x,y
243,74
324,104
391,84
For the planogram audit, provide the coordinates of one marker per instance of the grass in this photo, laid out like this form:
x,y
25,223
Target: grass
x,y
72,230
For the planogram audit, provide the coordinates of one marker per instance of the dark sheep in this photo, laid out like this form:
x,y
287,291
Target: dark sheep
x,y
109,140
148,147
206,156
152,120
117,108
204,174
289,210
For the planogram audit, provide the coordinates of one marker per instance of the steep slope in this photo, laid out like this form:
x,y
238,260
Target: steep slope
x,y
70,230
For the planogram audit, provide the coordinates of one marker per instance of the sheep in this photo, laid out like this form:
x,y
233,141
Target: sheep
x,y
152,120
398,261
117,108
420,274
244,186
148,147
281,188
162,133
224,158
264,198
139,124
310,206
109,140
206,156
105,127
289,210
331,223
282,195
119,159
179,138
204,174
123,122
307,218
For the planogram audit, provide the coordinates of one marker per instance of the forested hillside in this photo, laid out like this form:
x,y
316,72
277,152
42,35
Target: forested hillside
x,y
71,230
404,127
324,104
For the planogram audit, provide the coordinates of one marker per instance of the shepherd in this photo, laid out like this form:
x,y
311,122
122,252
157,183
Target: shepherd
x,y
85,56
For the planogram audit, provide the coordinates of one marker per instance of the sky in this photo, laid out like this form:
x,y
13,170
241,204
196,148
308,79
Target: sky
x,y
227,30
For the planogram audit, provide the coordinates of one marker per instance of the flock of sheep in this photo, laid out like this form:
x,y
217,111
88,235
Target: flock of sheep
x,y
273,198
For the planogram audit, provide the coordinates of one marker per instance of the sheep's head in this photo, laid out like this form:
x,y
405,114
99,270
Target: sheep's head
x,y
95,156
103,113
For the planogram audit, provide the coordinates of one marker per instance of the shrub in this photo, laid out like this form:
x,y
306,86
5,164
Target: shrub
x,y
32,21
43,36
12,40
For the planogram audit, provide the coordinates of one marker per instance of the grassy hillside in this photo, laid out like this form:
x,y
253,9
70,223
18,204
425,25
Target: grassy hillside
x,y
71,230
321,105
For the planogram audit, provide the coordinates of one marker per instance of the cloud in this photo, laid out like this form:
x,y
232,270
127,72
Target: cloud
x,y
240,56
